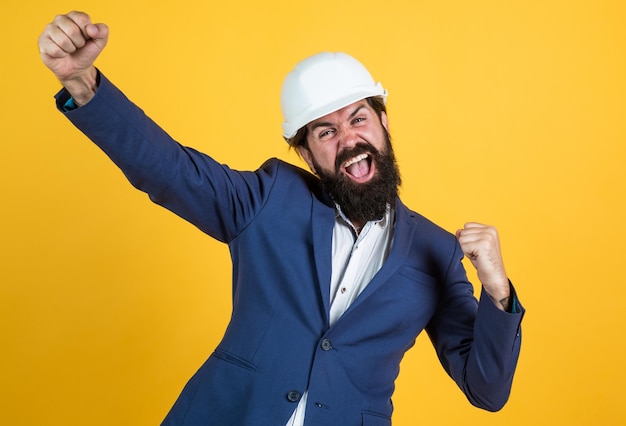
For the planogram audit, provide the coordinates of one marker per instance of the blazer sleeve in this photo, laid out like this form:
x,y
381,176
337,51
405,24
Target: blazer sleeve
x,y
477,344
218,200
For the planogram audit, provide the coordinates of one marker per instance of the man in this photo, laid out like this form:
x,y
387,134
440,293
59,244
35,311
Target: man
x,y
333,276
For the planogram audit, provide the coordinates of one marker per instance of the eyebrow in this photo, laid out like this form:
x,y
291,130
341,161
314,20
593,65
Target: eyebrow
x,y
329,124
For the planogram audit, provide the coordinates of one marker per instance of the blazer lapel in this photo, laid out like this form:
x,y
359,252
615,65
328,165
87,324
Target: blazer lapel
x,y
402,239
322,223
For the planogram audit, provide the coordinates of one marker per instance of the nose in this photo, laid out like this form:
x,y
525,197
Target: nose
x,y
348,137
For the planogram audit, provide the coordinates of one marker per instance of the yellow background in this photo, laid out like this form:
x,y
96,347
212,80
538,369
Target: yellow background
x,y
505,112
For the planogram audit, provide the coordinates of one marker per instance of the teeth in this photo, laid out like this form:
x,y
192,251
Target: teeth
x,y
354,160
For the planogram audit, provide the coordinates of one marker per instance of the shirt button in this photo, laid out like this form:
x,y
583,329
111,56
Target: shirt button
x,y
343,290
294,396
325,345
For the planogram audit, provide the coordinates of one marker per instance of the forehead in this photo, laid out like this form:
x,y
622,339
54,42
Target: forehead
x,y
342,113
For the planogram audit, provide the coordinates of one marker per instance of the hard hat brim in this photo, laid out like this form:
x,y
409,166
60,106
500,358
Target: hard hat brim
x,y
291,128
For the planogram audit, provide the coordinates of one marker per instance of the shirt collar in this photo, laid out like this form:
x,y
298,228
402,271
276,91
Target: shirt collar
x,y
383,221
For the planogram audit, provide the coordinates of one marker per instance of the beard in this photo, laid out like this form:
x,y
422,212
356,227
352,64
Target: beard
x,y
363,202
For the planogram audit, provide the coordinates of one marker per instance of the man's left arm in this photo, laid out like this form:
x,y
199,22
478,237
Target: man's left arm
x,y
497,334
479,343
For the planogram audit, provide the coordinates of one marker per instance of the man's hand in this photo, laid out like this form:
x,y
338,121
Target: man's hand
x,y
481,245
69,46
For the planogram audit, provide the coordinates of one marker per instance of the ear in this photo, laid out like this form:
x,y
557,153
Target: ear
x,y
307,157
383,120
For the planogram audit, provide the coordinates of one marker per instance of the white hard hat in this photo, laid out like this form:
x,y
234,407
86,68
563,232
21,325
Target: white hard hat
x,y
322,84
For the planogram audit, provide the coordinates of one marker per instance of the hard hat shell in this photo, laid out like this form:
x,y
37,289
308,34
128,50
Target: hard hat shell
x,y
321,84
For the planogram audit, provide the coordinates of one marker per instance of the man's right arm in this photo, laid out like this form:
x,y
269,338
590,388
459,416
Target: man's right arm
x,y
69,45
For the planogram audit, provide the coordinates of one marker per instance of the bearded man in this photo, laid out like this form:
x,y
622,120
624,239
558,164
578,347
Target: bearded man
x,y
333,276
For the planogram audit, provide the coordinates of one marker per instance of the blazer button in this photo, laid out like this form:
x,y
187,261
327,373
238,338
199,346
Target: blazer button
x,y
325,345
294,396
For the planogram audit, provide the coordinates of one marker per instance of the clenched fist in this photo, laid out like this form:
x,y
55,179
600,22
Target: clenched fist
x,y
69,46
481,245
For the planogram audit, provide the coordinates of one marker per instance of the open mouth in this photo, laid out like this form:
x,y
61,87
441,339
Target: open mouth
x,y
359,168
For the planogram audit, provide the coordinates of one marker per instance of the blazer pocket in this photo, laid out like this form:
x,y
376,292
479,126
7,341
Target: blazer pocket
x,y
375,419
233,359
418,276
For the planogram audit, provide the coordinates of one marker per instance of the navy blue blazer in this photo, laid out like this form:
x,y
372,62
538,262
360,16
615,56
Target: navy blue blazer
x,y
278,222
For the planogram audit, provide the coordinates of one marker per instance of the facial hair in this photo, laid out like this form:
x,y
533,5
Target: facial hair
x,y
363,202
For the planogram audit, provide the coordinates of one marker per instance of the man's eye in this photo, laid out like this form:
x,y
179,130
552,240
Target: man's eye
x,y
325,134
358,120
